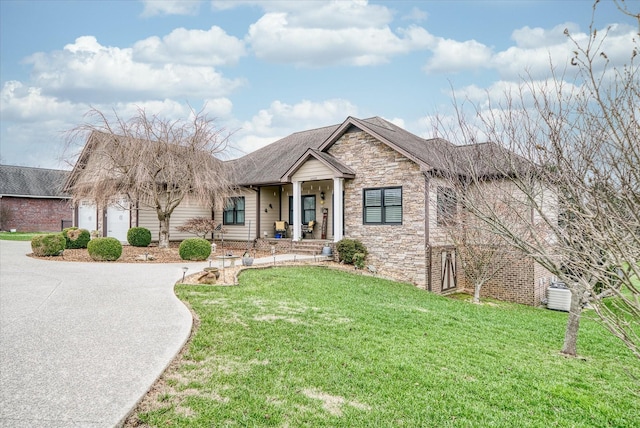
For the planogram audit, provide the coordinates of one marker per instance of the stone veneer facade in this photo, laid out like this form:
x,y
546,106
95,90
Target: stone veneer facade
x,y
397,251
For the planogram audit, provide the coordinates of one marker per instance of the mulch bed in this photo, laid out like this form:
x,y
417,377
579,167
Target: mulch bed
x,y
131,254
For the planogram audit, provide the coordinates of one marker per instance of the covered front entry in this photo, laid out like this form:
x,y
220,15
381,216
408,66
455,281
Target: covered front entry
x,y
322,171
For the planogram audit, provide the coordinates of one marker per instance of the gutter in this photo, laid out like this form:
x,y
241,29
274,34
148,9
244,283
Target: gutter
x,y
36,197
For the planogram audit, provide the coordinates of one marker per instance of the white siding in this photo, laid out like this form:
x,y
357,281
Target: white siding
x,y
147,217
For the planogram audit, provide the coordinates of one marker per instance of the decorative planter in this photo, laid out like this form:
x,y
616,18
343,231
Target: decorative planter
x,y
247,261
326,251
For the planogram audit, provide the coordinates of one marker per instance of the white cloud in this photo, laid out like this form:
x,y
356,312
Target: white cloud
x,y
274,38
327,33
537,50
452,56
22,103
170,7
281,119
416,15
194,47
88,70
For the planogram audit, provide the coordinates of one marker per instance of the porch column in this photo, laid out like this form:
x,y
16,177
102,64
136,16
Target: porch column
x,y
338,209
297,215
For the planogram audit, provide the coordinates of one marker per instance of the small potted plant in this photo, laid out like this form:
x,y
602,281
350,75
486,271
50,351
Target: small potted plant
x,y
247,260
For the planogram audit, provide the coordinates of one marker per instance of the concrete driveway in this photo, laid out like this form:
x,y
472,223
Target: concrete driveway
x,y
81,343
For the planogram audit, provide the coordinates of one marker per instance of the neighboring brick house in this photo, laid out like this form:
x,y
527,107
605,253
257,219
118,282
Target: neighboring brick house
x,y
31,199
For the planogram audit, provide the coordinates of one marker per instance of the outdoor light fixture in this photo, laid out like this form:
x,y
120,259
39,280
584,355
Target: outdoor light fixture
x,y
184,272
322,196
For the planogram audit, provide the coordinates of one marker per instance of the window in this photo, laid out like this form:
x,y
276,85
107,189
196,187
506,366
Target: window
x,y
290,209
234,212
308,209
383,206
447,206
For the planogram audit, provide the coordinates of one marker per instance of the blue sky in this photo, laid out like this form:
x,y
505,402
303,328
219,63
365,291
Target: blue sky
x,y
266,69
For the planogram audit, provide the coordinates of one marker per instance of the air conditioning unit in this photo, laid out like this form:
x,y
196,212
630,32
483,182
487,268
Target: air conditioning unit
x,y
559,297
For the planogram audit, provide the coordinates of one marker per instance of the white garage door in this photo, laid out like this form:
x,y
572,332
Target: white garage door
x,y
118,221
87,216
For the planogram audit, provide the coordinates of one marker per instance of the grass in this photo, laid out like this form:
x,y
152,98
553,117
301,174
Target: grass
x,y
314,347
18,236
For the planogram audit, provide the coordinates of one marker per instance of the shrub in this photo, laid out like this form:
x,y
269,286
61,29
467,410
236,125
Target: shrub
x,y
105,249
76,238
194,249
48,245
358,260
347,248
199,226
139,237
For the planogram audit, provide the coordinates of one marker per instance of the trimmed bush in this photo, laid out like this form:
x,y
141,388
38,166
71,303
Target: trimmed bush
x,y
105,249
347,248
358,260
76,238
48,245
139,237
196,249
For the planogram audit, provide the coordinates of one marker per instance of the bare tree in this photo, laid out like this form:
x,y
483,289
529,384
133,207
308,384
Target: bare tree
x,y
575,182
483,253
153,161
199,226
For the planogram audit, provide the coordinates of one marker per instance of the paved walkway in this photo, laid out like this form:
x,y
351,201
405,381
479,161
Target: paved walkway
x,y
81,343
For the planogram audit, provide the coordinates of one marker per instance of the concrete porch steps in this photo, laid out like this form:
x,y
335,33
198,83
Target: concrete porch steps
x,y
309,246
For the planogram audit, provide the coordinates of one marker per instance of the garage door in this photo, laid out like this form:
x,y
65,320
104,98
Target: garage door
x,y
118,220
87,216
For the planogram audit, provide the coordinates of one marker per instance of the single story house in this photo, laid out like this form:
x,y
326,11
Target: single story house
x,y
32,200
366,179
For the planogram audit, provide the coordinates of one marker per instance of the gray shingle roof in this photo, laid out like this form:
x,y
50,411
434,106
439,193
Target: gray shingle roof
x,y
268,164
34,182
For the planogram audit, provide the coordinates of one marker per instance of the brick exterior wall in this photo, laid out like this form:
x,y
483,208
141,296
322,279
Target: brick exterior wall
x,y
520,281
35,214
396,251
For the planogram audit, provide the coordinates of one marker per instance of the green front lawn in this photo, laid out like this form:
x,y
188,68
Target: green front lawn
x,y
18,236
314,347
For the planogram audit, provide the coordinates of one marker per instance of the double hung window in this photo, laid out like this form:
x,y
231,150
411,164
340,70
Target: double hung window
x,y
234,211
383,205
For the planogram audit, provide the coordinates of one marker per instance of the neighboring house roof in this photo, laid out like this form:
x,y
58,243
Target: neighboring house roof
x,y
32,182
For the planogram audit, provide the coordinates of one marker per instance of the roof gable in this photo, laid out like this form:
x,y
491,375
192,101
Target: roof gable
x,y
338,169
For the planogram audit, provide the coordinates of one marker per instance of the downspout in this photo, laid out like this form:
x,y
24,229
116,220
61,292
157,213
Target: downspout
x,y
76,218
104,222
427,245
258,194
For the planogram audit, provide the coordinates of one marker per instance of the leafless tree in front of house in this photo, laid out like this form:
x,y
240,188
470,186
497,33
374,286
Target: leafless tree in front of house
x,y
152,161
575,180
